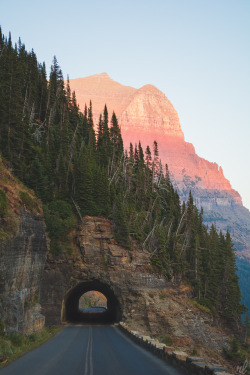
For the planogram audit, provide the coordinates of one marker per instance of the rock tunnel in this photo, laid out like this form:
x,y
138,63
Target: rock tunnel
x,y
71,312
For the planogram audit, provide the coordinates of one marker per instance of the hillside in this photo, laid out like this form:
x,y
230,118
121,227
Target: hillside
x,y
146,115
78,170
23,250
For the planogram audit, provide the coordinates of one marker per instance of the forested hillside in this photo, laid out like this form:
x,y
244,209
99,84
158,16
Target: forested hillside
x,y
243,271
53,148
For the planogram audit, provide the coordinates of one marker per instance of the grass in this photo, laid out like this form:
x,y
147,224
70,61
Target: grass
x,y
201,307
9,226
167,340
14,346
29,201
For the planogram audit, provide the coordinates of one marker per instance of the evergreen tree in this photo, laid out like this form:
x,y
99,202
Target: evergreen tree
x,y
115,139
53,148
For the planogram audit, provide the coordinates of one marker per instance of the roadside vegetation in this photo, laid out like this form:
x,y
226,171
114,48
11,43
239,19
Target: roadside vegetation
x,y
238,354
15,345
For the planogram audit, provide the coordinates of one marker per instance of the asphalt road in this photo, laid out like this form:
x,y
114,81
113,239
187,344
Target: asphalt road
x,y
89,350
94,309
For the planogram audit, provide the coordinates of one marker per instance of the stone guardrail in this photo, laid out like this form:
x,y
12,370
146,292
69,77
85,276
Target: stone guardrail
x,y
179,359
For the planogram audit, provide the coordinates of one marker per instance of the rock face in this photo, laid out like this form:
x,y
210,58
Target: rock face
x,y
23,250
98,259
125,277
146,109
22,260
146,115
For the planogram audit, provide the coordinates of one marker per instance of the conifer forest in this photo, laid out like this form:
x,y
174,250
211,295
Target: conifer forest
x,y
79,169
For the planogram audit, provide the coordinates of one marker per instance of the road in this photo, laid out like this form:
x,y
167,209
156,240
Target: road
x,y
89,350
94,309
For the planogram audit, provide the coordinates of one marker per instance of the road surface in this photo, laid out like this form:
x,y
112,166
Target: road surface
x,y
89,350
93,310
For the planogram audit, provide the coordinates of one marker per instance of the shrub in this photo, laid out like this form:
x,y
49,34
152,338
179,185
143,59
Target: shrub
x,y
238,354
16,339
32,337
201,307
167,340
36,299
194,352
29,202
60,221
2,328
55,247
3,204
26,304
5,347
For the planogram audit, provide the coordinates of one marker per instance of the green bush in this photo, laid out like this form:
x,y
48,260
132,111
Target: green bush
x,y
2,328
69,250
194,352
60,221
5,347
16,339
32,337
201,307
167,340
55,247
61,208
29,202
36,299
26,304
3,204
236,352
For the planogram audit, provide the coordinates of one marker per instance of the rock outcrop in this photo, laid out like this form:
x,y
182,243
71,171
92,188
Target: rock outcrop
x,y
146,300
22,262
23,250
146,115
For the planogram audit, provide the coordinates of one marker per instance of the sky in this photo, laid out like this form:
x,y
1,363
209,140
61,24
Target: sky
x,y
196,51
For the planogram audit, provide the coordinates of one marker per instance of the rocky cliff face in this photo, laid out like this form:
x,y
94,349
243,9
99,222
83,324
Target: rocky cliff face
x,y
22,262
145,299
23,250
146,115
151,111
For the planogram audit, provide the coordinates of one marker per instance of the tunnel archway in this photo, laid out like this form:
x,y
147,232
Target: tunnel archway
x,y
71,312
93,301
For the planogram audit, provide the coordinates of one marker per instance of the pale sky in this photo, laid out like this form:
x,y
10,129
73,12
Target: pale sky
x,y
196,51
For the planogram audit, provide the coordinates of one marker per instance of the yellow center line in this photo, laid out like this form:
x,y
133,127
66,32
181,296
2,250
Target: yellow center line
x,y
89,355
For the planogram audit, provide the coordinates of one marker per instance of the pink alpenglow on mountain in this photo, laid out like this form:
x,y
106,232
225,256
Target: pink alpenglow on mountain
x,y
146,115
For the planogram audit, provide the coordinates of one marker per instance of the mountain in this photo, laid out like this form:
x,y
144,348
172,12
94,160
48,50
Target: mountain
x,y
146,115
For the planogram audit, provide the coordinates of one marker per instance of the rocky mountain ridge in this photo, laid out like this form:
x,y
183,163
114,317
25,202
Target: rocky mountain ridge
x,y
146,115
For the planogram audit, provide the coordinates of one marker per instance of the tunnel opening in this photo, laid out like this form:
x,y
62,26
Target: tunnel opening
x,y
91,302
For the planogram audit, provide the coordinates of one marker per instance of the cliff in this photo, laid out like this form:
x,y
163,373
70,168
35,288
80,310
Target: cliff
x,y
134,292
23,250
146,115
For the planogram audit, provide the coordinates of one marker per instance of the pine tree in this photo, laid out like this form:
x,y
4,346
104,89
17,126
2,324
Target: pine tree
x,y
230,291
115,139
51,146
121,228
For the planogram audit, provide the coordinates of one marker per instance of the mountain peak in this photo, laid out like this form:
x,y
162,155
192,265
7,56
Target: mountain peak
x,y
101,75
150,88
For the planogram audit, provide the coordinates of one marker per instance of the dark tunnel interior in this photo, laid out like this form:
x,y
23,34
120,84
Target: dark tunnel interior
x,y
72,314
